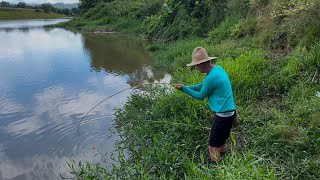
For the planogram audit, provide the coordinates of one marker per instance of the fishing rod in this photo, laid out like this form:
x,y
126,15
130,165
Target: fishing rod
x,y
134,87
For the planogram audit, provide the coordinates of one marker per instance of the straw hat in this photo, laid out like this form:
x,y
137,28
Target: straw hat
x,y
199,56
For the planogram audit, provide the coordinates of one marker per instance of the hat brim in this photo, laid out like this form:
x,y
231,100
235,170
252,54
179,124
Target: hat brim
x,y
205,60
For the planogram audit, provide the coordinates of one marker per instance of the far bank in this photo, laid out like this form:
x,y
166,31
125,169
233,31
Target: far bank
x,y
19,13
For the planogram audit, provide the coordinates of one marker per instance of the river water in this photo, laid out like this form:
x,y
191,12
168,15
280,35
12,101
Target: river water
x,y
51,77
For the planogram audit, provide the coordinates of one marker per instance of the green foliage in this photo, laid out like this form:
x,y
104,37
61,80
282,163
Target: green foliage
x,y
164,26
167,20
148,9
87,171
171,56
292,129
301,66
158,144
179,19
224,30
297,19
259,3
164,132
238,8
111,15
246,27
249,72
249,165
85,5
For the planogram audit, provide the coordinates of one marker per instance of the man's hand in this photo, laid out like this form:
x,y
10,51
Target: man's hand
x,y
179,86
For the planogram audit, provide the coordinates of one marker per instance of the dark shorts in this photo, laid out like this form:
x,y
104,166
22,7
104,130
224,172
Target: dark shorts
x,y
220,130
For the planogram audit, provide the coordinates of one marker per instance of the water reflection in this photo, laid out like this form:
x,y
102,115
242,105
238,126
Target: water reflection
x,y
49,78
29,23
116,54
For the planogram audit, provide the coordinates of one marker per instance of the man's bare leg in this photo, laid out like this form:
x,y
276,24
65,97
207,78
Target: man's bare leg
x,y
214,154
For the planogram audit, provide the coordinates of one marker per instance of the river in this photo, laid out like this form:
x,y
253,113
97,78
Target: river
x,y
51,77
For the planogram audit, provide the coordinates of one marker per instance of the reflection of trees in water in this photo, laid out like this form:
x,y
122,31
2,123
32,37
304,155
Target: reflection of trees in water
x,y
24,29
145,75
7,30
21,29
47,29
116,54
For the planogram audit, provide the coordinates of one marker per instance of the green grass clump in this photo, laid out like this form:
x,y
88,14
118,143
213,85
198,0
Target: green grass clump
x,y
249,72
223,31
16,13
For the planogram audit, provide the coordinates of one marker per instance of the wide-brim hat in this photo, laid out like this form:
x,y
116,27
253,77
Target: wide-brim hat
x,y
199,56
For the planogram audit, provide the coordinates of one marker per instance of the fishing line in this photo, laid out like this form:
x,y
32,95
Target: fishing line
x,y
114,95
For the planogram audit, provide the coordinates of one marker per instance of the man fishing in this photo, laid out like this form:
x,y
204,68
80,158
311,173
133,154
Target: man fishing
x,y
217,88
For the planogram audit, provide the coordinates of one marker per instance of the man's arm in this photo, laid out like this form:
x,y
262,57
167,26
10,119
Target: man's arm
x,y
196,87
206,89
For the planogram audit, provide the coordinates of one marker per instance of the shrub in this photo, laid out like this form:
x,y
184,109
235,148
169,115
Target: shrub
x,y
301,66
223,31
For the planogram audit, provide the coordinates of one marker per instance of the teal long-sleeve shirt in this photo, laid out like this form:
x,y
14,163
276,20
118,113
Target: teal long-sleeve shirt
x,y
217,88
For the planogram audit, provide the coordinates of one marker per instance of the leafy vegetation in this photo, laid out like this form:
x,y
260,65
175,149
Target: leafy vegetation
x,y
269,48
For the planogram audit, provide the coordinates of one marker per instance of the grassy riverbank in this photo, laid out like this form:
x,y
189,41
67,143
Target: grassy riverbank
x,y
17,13
270,49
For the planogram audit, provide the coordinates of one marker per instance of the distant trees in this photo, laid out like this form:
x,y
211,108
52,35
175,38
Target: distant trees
x,y
4,4
21,5
66,12
37,9
47,8
75,11
85,5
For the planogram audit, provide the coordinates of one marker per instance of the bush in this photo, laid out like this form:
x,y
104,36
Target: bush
x,y
223,31
297,19
301,66
148,9
180,19
239,8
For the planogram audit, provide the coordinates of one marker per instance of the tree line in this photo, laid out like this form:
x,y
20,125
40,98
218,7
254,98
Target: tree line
x,y
46,8
85,5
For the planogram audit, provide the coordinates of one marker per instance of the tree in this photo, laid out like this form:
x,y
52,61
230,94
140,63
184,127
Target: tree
x,y
37,9
47,8
66,12
75,11
85,5
4,4
21,5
